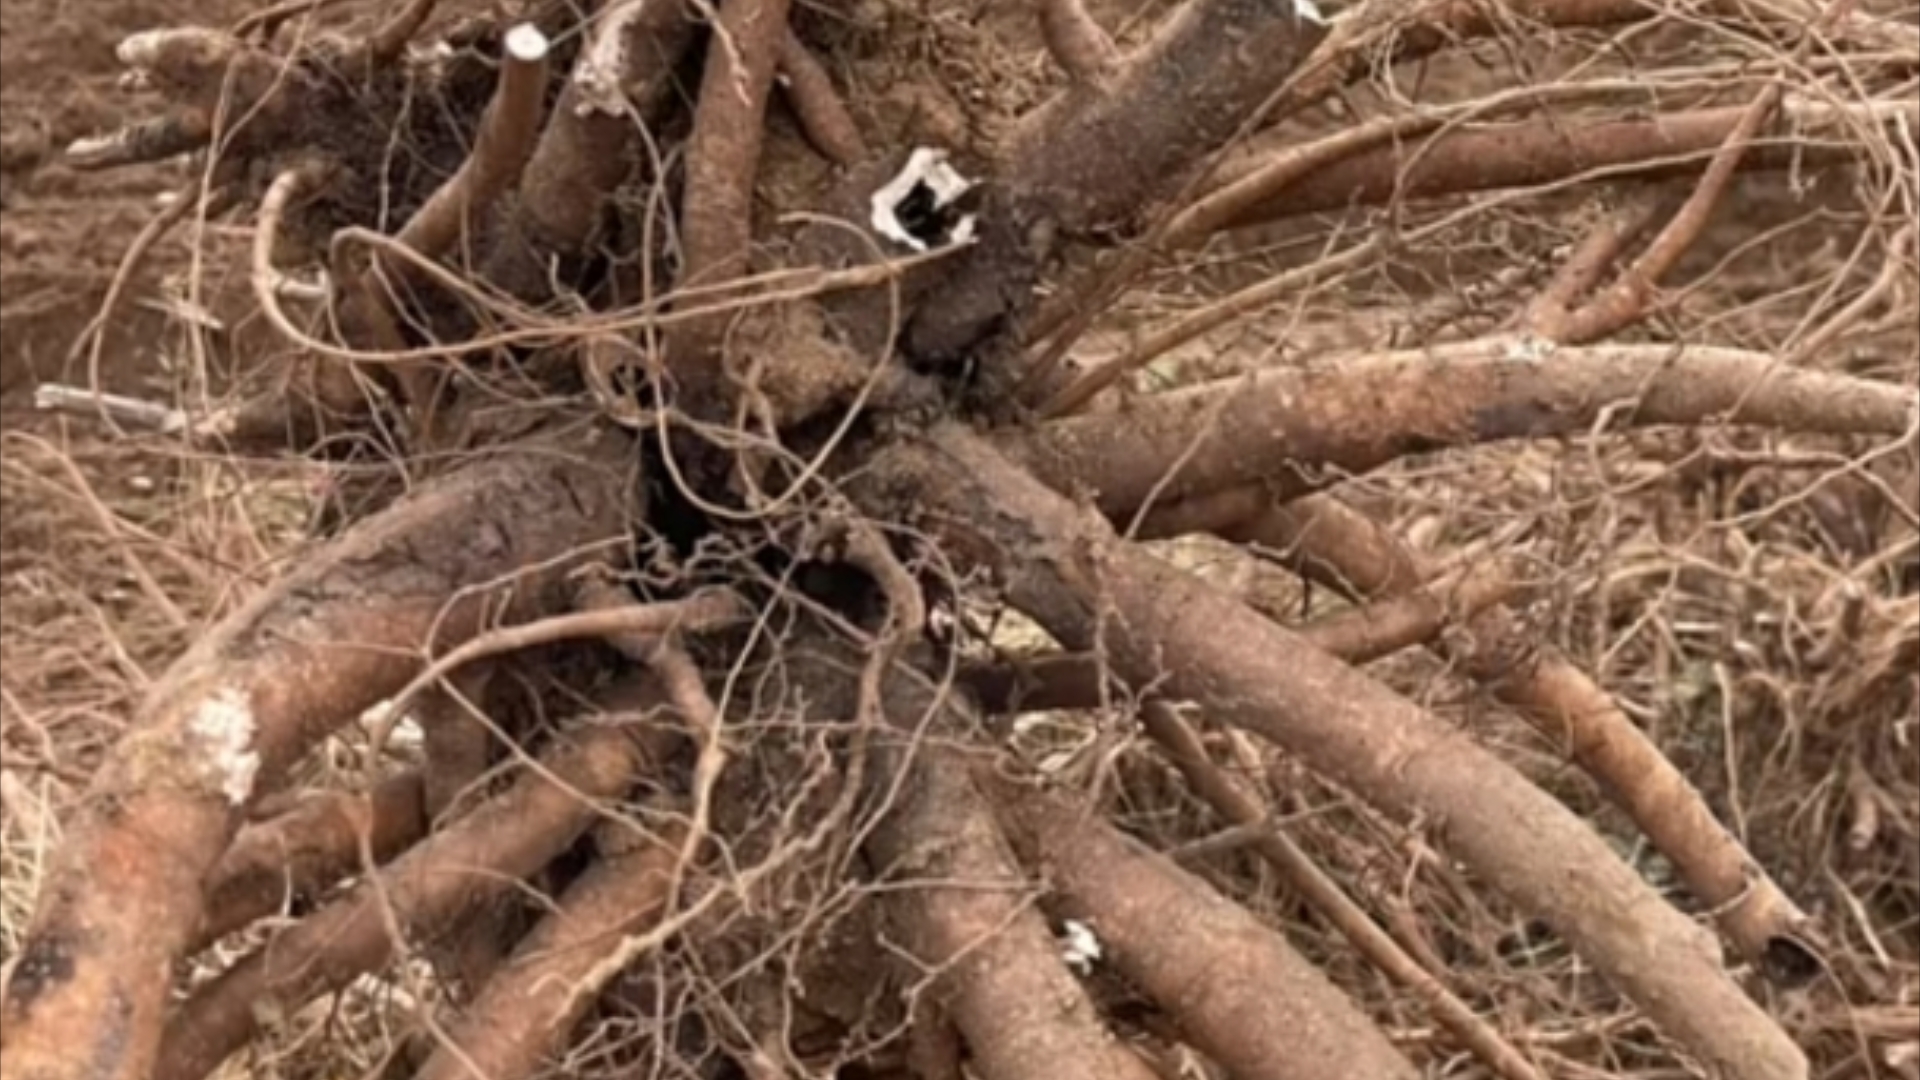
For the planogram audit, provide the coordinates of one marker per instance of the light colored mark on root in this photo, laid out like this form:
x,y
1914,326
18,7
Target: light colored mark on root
x,y
139,50
1309,11
1081,949
926,169
224,725
526,43
1527,349
598,76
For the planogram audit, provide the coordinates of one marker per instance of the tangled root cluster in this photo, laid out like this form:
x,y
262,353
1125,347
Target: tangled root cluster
x,y
877,540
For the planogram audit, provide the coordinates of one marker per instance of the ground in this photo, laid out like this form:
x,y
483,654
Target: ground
x,y
1711,596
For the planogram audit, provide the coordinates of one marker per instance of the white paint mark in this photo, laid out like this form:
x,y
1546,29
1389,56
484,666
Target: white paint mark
x,y
224,725
1308,10
526,43
926,168
1082,949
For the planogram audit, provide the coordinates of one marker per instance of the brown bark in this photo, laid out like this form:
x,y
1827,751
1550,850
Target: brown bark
x,y
124,897
1585,265
823,116
1236,989
457,743
1343,548
501,148
1078,44
309,848
1067,569
959,900
1235,804
1368,632
1095,155
588,145
723,160
1294,430
533,1002
1554,148
424,891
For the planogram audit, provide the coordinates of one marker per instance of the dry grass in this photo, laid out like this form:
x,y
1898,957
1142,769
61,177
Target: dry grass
x,y
1754,603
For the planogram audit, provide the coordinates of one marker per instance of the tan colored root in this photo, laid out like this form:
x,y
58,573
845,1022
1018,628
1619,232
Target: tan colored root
x,y
1336,544
308,848
1232,802
508,133
1294,429
1626,301
534,1000
1077,43
1091,158
823,116
587,147
961,903
1236,989
457,740
1367,632
1343,548
1585,265
1553,149
723,161
423,892
124,897
1160,627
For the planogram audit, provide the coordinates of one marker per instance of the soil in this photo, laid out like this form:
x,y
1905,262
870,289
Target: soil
x,y
114,554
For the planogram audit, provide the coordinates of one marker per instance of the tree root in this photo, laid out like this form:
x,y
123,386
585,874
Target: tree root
x,y
1347,551
965,921
823,116
125,897
534,1001
723,158
1078,44
307,849
1232,802
1553,149
1415,616
1093,156
446,876
587,148
1290,429
1068,571
1234,987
